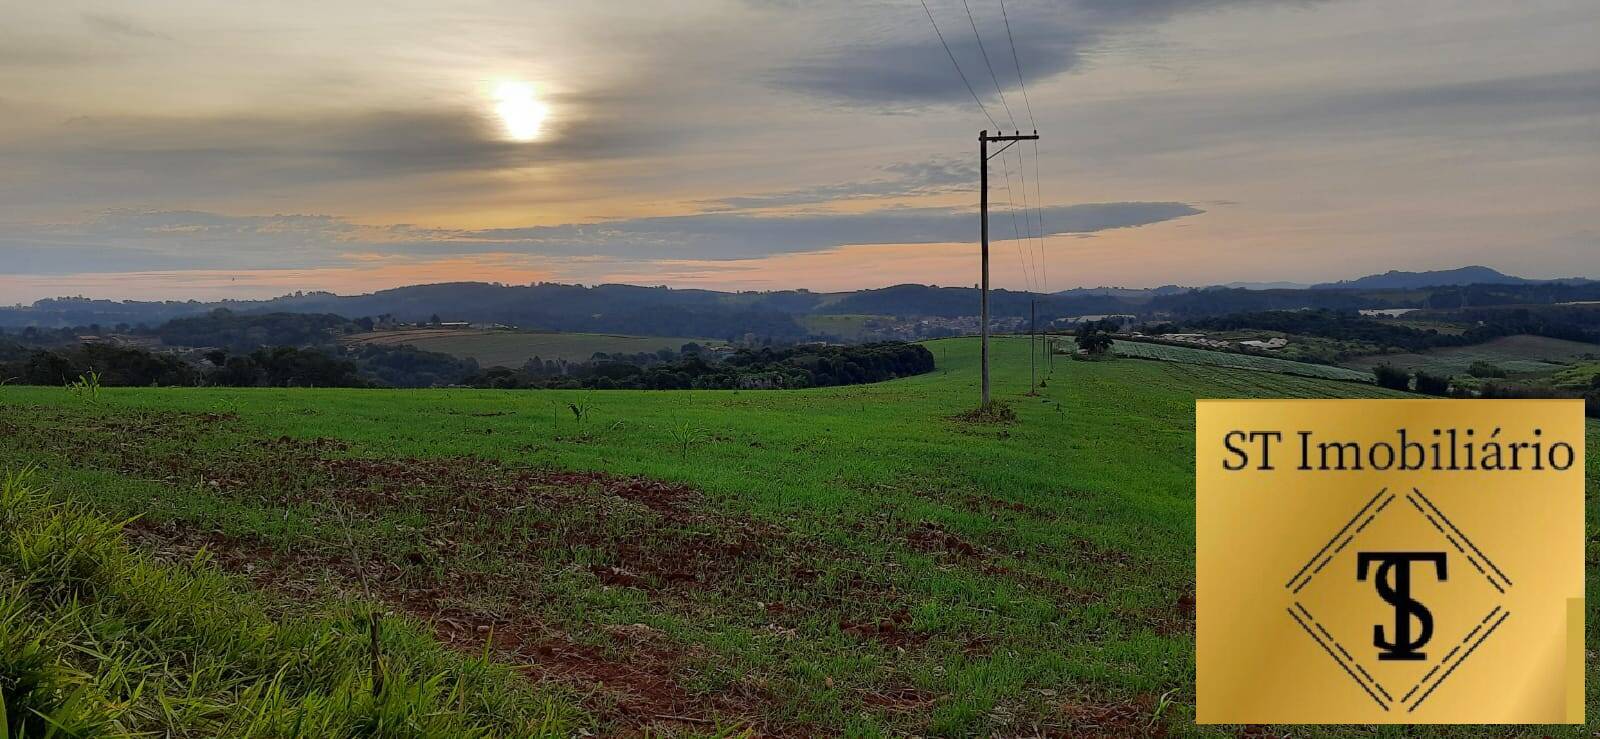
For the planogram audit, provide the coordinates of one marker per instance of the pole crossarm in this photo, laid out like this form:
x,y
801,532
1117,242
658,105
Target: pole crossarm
x,y
1010,141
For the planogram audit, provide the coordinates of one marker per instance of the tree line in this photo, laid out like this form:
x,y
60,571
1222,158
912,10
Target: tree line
x,y
749,369
1478,325
1445,386
276,366
372,365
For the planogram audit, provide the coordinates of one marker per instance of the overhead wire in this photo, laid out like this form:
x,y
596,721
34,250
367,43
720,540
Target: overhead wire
x,y
986,63
957,65
1018,62
1022,83
1025,236
1028,280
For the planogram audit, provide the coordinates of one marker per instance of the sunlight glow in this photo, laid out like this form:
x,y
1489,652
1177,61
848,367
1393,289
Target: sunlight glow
x,y
519,109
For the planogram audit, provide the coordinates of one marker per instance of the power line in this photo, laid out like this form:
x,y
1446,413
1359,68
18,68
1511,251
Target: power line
x,y
1044,261
1011,208
986,63
957,65
1027,217
1039,202
1018,62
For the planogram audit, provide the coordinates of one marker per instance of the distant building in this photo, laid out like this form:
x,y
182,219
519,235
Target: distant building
x,y
1274,343
1121,319
1386,312
1195,339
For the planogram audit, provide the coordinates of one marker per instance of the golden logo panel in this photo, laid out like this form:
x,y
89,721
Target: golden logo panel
x,y
1389,561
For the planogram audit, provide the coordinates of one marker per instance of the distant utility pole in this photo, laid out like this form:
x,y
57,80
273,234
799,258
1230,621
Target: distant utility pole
x,y
983,200
1033,338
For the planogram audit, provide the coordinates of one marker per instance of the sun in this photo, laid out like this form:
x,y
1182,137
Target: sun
x,y
517,103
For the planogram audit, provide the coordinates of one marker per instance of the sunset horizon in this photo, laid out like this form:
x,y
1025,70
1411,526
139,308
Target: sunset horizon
x,y
181,151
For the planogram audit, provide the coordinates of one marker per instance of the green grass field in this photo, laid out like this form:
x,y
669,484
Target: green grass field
x,y
833,561
513,348
1522,354
1193,355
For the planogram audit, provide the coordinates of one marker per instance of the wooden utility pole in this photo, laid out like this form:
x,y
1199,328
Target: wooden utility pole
x,y
983,205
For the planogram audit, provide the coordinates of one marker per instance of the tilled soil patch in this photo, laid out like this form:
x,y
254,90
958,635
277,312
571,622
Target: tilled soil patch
x,y
635,685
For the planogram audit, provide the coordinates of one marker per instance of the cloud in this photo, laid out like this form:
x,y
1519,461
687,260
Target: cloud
x,y
116,160
928,177
743,236
1544,110
907,67
915,71
161,240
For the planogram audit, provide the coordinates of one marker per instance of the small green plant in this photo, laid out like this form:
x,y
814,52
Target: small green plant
x,y
86,387
685,435
581,408
1162,704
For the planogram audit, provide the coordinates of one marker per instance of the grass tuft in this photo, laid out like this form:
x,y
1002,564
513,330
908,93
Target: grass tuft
x,y
98,640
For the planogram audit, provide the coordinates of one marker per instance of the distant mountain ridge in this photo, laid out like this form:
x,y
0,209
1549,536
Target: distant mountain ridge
x,y
1474,275
660,311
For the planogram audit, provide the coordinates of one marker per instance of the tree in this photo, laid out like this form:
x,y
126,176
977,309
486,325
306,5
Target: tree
x,y
1392,377
434,319
1094,341
1431,384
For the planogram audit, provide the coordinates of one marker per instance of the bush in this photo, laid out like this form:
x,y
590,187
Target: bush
x,y
1392,377
1431,384
1485,370
1094,341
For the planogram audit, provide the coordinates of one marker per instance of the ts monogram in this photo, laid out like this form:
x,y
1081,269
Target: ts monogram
x,y
1394,586
1445,592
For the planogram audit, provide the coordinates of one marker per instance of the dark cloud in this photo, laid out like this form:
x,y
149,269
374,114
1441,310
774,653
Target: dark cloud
x,y
931,177
916,71
744,235
1497,113
134,240
152,240
908,68
208,157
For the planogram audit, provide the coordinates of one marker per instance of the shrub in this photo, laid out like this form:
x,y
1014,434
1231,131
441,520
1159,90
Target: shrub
x,y
1094,341
1431,384
1484,369
1392,377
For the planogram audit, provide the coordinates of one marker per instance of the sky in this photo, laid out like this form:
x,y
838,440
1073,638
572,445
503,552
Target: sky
x,y
167,149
